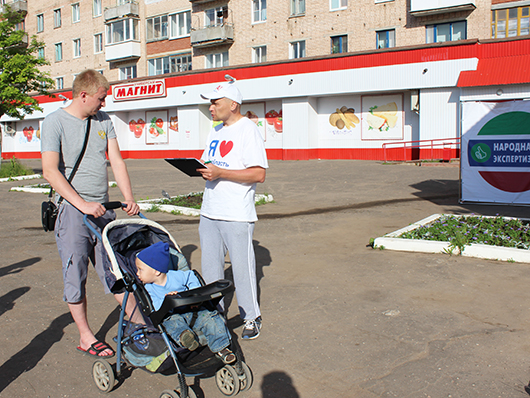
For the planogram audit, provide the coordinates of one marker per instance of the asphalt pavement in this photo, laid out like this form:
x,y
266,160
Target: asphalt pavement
x,y
340,319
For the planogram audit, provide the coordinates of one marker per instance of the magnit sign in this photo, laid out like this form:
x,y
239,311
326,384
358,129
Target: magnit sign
x,y
139,90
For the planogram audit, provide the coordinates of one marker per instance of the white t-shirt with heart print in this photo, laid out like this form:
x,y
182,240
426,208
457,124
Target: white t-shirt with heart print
x,y
234,147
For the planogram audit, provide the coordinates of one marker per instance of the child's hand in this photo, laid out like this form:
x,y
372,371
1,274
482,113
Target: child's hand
x,y
172,293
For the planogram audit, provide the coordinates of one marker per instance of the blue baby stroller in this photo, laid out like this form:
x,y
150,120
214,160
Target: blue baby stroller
x,y
148,346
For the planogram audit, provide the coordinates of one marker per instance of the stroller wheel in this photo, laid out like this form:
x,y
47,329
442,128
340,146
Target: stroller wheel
x,y
176,394
245,380
103,375
227,381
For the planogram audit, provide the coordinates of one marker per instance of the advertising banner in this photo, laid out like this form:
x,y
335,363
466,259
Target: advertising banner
x,y
495,163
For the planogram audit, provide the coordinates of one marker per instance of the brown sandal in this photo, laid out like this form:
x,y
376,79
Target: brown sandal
x,y
226,356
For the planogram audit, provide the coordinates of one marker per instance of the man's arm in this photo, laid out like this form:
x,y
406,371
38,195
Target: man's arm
x,y
249,175
52,174
122,176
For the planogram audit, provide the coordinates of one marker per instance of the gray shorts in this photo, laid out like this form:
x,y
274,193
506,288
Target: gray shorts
x,y
76,245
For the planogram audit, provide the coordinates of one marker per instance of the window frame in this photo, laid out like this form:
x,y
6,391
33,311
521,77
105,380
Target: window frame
x,y
260,11
76,13
76,47
520,18
130,31
57,18
58,52
41,53
295,49
343,5
97,8
126,75
218,20
40,23
169,64
174,24
57,85
257,54
163,26
387,39
297,8
435,28
341,45
98,43
211,60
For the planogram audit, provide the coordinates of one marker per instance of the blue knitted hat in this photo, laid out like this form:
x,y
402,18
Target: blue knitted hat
x,y
156,256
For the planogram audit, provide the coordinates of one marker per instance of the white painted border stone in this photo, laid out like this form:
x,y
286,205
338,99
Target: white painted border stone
x,y
46,190
146,205
390,241
18,178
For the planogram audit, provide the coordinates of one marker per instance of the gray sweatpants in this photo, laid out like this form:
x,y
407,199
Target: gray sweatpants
x,y
218,237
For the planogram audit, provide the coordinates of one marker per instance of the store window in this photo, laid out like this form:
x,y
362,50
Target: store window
x,y
297,49
386,38
259,11
157,28
440,33
123,30
339,44
259,54
180,24
510,22
217,60
169,64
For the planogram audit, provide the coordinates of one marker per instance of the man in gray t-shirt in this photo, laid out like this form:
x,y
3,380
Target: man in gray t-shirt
x,y
63,135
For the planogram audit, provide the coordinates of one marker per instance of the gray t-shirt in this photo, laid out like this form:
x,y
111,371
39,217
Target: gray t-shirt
x,y
65,134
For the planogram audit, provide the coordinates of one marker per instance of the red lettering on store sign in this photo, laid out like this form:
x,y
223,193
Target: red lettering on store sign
x,y
139,90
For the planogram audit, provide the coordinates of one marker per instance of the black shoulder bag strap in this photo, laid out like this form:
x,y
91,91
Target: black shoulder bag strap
x,y
77,163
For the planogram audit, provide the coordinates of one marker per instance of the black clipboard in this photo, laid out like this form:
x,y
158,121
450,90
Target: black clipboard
x,y
188,166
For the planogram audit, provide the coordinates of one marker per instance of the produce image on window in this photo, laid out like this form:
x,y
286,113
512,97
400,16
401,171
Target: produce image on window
x,y
156,127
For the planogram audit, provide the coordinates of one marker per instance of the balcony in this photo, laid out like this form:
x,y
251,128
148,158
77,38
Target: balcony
x,y
420,8
16,5
130,9
125,51
211,36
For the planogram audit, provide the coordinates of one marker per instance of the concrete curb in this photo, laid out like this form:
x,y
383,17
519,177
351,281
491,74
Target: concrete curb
x,y
391,241
42,189
18,178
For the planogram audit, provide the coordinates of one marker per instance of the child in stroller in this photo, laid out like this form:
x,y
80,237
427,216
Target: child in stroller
x,y
148,346
152,266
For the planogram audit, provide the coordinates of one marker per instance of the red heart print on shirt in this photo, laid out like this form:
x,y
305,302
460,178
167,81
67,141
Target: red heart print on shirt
x,y
225,148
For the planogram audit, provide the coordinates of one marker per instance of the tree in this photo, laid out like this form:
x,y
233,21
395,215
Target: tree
x,y
20,77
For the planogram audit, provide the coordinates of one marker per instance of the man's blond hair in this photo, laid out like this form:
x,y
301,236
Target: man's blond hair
x,y
90,81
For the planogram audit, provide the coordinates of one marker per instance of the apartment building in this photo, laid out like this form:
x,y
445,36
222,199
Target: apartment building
x,y
307,60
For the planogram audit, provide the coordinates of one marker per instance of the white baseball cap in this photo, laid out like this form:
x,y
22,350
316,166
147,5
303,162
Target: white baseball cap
x,y
225,90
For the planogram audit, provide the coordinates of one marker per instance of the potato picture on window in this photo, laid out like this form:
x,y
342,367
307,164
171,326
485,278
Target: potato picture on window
x,y
344,118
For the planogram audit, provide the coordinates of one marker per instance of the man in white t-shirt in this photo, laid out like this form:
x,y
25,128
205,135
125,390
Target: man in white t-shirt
x,y
236,160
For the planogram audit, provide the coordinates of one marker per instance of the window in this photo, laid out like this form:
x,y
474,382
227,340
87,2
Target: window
x,y
96,8
180,24
57,18
446,32
76,13
40,23
217,60
77,48
120,31
40,52
98,43
215,16
337,4
297,49
157,28
259,10
127,72
259,54
386,38
59,83
169,64
339,44
58,52
297,7
510,22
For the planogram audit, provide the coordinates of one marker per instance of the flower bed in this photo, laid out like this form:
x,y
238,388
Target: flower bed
x,y
500,238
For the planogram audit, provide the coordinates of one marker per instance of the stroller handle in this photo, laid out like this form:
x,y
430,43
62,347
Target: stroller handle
x,y
107,206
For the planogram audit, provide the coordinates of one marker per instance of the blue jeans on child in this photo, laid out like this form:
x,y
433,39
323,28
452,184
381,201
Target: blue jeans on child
x,y
208,322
